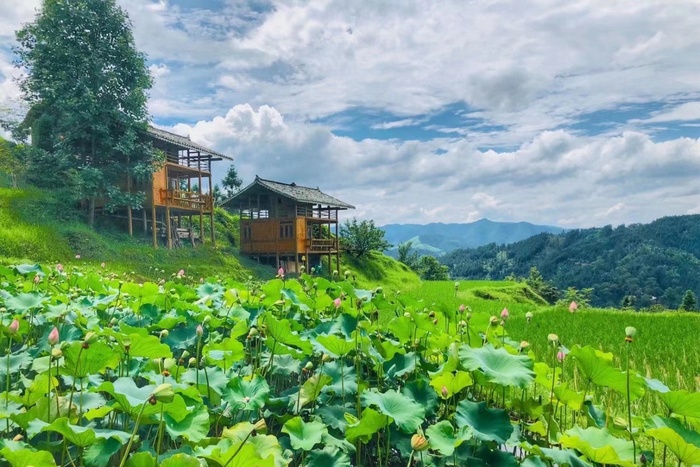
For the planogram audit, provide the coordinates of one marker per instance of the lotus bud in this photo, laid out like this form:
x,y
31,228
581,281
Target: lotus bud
x,y
462,324
90,337
260,426
280,273
493,321
468,316
164,333
199,330
37,279
185,354
553,338
253,333
528,316
337,302
620,423
164,393
419,443
14,327
505,314
456,285
561,356
53,336
444,392
573,306
462,308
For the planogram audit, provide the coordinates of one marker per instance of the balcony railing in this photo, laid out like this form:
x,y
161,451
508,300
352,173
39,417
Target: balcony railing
x,y
321,244
186,200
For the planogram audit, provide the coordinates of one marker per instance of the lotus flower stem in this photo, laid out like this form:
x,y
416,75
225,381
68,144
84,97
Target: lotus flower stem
x,y
629,405
239,448
159,435
133,434
410,458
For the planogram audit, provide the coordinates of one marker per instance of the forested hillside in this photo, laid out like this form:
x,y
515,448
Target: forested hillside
x,y
649,263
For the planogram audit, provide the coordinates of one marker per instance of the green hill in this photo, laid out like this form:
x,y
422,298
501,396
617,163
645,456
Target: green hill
x,y
655,263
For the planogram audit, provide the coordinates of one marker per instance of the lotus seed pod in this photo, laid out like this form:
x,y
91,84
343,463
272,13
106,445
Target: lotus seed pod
x,y
192,361
164,333
90,337
528,316
253,332
325,358
553,338
206,319
462,324
407,314
185,354
620,423
309,366
524,345
419,443
630,331
56,353
493,321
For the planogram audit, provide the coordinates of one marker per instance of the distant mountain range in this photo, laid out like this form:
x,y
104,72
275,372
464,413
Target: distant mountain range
x,y
437,239
650,264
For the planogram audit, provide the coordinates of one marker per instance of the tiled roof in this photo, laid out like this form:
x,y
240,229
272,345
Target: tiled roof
x,y
181,141
298,193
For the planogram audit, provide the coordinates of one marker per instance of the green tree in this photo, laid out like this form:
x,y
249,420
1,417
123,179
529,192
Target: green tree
x,y
11,161
430,269
406,256
231,182
86,84
689,302
359,238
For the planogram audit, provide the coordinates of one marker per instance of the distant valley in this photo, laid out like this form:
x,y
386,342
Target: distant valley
x,y
437,239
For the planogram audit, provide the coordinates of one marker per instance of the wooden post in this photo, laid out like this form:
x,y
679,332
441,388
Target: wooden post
x,y
145,221
211,214
153,224
168,227
201,207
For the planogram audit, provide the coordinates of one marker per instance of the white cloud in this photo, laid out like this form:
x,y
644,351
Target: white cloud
x,y
395,124
556,177
158,69
682,112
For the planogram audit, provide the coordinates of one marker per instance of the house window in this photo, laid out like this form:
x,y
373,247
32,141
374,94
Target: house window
x,y
246,232
286,230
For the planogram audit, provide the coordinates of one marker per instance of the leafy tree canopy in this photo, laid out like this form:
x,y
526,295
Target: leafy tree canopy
x,y
86,85
359,238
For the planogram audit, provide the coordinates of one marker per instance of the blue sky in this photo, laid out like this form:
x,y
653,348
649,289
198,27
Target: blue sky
x,y
576,114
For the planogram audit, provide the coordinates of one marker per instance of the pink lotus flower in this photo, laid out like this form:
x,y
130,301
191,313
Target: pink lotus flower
x,y
561,356
181,273
14,326
444,391
59,267
53,336
573,306
37,279
462,308
280,273
505,314
337,303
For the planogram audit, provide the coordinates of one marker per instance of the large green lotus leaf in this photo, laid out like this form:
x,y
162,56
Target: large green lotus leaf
x,y
125,391
99,453
79,435
569,397
599,445
444,439
327,457
342,382
486,424
25,301
181,460
333,416
223,354
407,414
265,445
81,362
285,365
232,454
370,423
28,458
561,457
214,378
682,403
304,435
148,347
141,459
194,427
336,346
452,383
281,331
141,292
684,443
243,393
25,269
309,391
544,374
493,457
400,365
420,391
498,365
209,292
599,370
18,361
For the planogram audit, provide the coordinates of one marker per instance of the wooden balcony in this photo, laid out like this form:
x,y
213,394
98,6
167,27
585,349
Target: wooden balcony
x,y
321,245
188,200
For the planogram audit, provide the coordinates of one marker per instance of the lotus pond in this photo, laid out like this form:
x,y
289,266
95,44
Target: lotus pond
x,y
98,371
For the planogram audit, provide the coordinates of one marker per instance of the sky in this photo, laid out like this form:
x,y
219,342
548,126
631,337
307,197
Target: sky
x,y
575,114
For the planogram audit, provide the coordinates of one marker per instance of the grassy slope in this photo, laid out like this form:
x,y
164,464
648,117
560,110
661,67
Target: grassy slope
x,y
36,226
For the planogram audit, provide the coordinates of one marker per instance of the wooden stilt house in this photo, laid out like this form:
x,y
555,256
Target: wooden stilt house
x,y
288,223
171,196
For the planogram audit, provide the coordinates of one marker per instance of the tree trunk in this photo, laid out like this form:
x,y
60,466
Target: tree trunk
x,y
91,212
